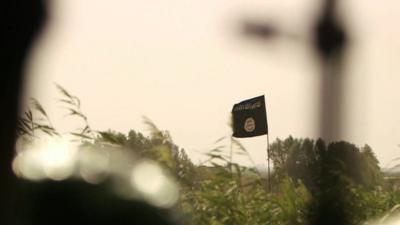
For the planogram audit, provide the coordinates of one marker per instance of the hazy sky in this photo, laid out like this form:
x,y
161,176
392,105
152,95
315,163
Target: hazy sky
x,y
183,64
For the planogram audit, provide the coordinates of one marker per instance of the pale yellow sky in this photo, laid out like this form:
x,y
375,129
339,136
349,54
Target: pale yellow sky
x,y
183,64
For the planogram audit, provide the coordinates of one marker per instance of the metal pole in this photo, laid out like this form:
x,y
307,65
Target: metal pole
x,y
231,153
268,162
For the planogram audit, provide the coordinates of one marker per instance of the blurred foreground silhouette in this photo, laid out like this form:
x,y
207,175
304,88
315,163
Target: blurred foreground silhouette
x,y
76,202
20,24
29,203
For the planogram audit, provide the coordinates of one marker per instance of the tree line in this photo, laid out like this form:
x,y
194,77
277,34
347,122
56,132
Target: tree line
x,y
313,182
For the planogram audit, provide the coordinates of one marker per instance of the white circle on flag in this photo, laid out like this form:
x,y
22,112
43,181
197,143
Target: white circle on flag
x,y
249,125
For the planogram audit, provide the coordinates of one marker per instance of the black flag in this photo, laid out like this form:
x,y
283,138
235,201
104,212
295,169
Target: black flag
x,y
249,118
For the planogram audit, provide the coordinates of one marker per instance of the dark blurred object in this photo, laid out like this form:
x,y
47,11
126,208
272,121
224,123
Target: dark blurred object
x,y
21,20
66,202
330,36
263,31
330,42
76,202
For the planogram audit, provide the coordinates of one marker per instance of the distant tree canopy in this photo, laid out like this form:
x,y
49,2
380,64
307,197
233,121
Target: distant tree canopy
x,y
339,175
317,164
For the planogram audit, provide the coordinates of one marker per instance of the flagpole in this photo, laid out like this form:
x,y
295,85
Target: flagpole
x,y
231,155
268,162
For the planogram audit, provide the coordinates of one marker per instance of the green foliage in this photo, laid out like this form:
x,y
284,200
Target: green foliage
x,y
337,183
29,122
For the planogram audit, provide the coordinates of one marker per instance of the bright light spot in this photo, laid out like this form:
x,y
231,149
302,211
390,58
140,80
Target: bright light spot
x,y
148,178
50,157
392,217
155,186
93,165
57,159
26,164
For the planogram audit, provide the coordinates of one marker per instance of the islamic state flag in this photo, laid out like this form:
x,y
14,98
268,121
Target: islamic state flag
x,y
249,118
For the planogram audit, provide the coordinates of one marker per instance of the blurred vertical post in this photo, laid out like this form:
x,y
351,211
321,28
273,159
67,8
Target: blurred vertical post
x,y
330,43
19,24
